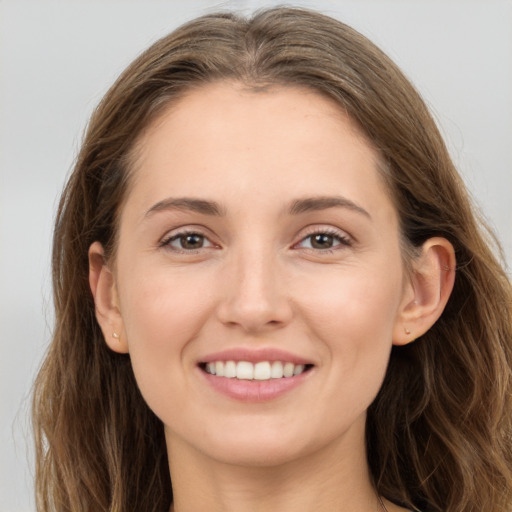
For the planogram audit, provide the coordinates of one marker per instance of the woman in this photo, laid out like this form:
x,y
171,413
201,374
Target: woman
x,y
271,290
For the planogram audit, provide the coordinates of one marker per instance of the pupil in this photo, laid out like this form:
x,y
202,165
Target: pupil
x,y
322,241
192,241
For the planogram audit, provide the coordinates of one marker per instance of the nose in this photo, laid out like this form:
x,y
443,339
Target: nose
x,y
253,293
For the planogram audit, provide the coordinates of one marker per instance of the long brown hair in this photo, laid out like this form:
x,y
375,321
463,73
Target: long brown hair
x,y
439,431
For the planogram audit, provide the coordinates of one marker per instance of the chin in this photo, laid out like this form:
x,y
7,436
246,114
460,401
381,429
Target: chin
x,y
268,445
258,456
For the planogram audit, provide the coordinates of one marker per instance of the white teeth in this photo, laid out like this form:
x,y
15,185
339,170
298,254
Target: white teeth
x,y
288,369
245,370
298,369
230,369
263,370
276,371
219,368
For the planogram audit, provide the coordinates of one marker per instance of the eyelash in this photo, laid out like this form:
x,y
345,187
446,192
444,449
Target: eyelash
x,y
343,240
166,242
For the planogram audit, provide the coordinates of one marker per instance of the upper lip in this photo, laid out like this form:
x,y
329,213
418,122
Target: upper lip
x,y
254,355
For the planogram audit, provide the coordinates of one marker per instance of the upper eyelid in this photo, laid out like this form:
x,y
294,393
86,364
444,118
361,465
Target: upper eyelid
x,y
187,230
318,229
346,240
167,240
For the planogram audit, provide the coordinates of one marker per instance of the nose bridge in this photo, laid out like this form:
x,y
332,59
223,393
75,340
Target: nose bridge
x,y
254,297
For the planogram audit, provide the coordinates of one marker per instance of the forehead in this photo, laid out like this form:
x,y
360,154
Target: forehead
x,y
226,139
217,104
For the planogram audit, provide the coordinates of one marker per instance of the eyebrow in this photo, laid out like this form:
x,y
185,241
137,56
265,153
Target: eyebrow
x,y
188,204
206,207
310,204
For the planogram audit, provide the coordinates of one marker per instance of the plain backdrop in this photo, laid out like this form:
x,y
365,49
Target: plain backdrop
x,y
57,58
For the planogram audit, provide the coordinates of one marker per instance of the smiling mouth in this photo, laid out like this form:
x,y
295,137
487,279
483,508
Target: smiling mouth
x,y
263,370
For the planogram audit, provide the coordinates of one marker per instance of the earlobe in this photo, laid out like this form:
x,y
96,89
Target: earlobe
x,y
104,291
429,289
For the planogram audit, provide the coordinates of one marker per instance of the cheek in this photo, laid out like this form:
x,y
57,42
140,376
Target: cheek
x,y
352,299
162,312
158,310
354,317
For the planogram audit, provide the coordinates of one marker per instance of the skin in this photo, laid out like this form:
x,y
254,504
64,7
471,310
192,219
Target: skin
x,y
258,281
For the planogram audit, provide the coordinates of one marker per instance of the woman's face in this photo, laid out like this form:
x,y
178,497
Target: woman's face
x,y
258,239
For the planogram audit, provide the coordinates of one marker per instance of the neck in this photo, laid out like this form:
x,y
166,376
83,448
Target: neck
x,y
333,478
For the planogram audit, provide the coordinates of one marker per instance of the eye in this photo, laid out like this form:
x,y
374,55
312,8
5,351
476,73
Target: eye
x,y
189,241
324,240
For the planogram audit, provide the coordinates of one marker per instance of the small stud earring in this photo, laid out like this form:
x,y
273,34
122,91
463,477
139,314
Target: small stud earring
x,y
115,335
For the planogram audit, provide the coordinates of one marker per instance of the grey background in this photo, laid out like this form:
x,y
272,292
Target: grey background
x,y
57,58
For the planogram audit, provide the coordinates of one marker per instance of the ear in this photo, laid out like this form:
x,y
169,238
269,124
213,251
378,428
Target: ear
x,y
427,292
104,291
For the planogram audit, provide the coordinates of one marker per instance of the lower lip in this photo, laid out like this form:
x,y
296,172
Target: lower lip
x,y
254,390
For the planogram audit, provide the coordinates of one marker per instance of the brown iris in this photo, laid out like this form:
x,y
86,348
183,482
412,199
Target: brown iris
x,y
322,241
191,241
